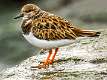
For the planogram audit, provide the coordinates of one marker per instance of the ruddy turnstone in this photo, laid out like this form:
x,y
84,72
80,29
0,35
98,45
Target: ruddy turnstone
x,y
48,31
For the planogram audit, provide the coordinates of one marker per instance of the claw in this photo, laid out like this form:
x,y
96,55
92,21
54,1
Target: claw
x,y
40,66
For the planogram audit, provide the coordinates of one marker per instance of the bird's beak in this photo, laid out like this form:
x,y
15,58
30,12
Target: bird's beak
x,y
19,16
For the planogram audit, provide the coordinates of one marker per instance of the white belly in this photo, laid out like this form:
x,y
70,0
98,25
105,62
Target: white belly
x,y
45,44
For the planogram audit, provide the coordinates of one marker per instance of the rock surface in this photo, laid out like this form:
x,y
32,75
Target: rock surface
x,y
84,60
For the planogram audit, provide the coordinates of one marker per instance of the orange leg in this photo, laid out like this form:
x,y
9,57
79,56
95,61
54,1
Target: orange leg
x,y
56,50
48,61
45,63
48,58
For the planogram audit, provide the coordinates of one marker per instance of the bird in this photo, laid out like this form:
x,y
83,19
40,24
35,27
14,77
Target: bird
x,y
46,30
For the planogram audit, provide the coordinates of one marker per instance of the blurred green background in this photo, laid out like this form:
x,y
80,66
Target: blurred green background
x,y
91,14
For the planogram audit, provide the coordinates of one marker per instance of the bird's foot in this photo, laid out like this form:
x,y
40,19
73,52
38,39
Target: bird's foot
x,y
44,64
49,61
40,66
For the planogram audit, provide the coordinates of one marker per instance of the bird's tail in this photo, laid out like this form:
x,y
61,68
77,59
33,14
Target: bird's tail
x,y
89,33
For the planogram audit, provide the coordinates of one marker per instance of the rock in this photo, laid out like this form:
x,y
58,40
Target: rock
x,y
84,60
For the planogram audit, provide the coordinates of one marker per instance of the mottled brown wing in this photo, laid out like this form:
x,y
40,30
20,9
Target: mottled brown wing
x,y
53,28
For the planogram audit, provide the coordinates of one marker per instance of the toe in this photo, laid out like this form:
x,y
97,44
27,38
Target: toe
x,y
40,66
50,61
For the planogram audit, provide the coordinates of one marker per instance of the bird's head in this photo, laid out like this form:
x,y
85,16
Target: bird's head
x,y
28,11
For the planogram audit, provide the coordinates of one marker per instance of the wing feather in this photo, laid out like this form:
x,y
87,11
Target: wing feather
x,y
53,28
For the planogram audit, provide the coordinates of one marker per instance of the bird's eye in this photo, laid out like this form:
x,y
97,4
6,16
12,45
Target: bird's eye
x,y
28,11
